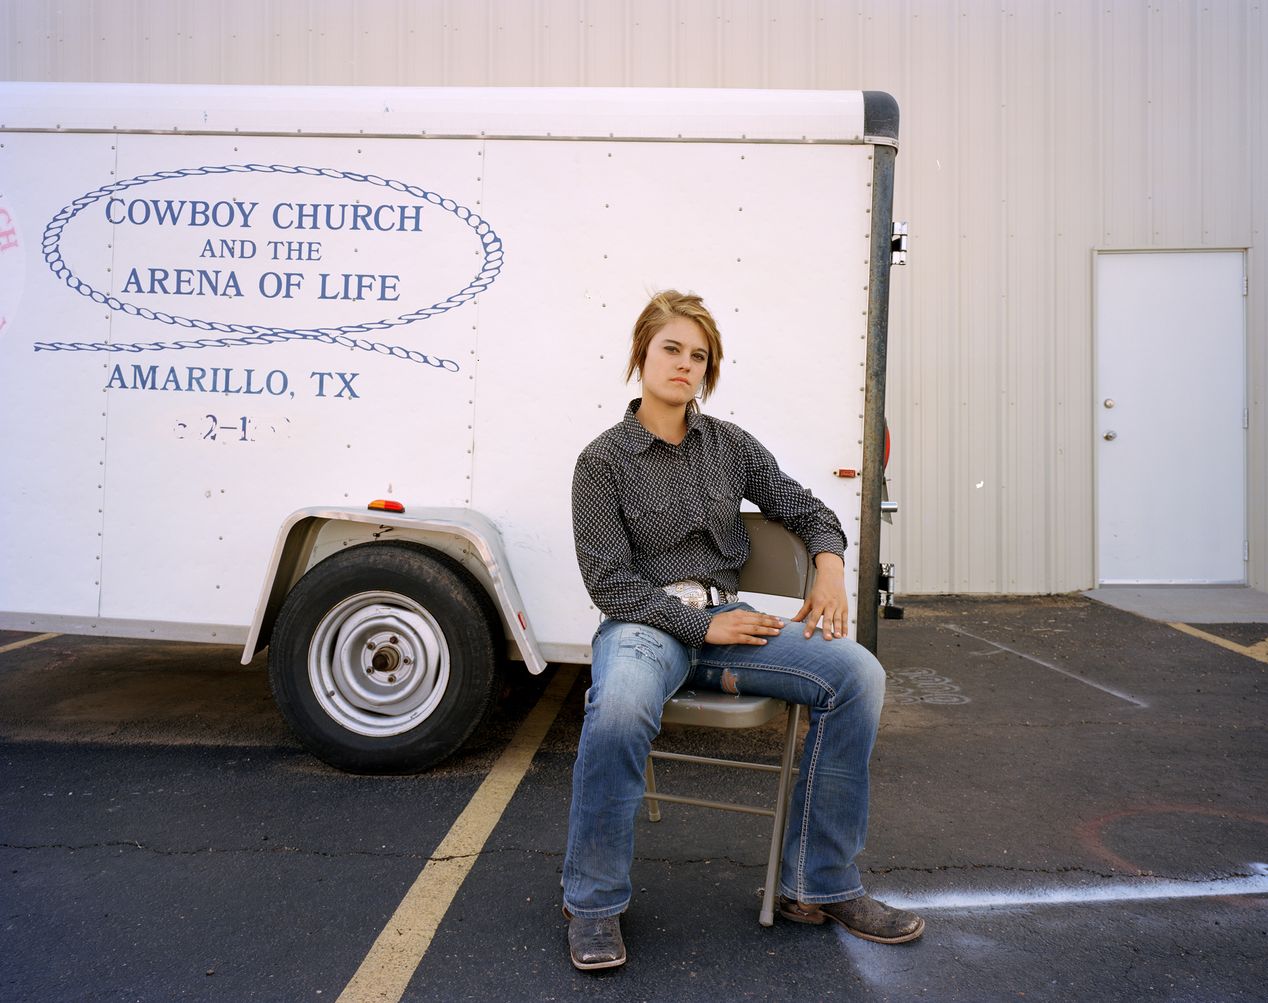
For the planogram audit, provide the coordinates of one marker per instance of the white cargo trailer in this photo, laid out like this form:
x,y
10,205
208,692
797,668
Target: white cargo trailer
x,y
230,317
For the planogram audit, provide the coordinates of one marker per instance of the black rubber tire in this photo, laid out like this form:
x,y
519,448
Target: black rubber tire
x,y
449,593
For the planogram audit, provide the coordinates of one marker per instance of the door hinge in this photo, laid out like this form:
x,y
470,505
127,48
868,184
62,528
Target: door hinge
x,y
1245,285
1245,417
1245,550
898,245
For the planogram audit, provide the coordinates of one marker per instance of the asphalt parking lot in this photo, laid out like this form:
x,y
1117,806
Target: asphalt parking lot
x,y
1072,795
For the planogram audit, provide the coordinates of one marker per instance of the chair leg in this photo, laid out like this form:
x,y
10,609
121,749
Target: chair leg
x,y
782,797
653,805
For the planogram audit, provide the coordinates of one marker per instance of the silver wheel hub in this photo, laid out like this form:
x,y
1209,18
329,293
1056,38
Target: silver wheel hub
x,y
378,664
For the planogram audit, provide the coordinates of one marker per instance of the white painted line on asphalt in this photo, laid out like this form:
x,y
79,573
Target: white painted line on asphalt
x,y
1048,665
25,641
1256,883
386,971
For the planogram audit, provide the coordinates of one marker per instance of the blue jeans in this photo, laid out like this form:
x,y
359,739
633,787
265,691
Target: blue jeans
x,y
637,668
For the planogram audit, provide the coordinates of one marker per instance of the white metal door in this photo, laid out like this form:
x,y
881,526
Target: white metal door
x,y
1170,417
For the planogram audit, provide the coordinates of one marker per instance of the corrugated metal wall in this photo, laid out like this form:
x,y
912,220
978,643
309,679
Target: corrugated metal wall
x,y
1032,133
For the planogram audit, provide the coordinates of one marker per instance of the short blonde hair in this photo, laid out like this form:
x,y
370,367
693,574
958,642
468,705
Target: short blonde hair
x,y
660,310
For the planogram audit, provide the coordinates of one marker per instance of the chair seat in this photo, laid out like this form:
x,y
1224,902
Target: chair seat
x,y
710,709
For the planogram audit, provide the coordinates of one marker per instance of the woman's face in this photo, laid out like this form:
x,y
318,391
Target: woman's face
x,y
676,361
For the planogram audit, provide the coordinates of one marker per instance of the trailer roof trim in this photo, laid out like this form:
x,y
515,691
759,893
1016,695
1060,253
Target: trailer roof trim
x,y
646,113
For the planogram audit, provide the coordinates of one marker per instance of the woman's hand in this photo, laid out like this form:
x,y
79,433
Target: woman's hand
x,y
742,626
827,599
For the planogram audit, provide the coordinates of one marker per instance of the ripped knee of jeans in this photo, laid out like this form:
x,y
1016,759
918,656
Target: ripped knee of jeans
x,y
722,679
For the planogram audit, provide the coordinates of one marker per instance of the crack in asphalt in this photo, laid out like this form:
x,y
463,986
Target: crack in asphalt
x,y
392,854
171,852
1074,869
1009,868
714,858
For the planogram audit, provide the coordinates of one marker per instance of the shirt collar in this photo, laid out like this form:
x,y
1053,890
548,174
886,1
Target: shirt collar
x,y
638,439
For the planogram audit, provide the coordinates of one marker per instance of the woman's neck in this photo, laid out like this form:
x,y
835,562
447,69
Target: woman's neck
x,y
668,422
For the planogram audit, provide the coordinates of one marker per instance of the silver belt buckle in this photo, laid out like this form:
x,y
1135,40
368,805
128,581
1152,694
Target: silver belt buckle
x,y
691,594
696,595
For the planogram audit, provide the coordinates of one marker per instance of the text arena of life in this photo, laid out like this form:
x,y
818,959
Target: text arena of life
x,y
287,217
354,286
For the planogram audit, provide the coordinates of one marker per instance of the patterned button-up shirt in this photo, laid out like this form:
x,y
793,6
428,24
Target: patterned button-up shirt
x,y
646,513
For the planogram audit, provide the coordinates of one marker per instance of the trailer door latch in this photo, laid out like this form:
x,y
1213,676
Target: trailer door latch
x,y
898,245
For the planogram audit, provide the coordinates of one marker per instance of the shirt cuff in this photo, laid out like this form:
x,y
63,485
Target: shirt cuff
x,y
827,543
693,626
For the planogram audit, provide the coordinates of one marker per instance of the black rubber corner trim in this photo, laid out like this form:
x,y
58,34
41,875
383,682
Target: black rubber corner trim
x,y
880,114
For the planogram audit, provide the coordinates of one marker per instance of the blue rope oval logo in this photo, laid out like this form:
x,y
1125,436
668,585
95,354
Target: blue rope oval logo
x,y
239,334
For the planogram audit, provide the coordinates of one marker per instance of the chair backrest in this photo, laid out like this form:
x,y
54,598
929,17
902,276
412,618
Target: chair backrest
x,y
778,563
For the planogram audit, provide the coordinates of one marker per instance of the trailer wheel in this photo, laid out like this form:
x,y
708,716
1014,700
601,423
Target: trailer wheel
x,y
382,658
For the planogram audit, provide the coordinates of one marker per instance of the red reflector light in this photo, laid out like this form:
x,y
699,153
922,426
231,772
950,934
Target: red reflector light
x,y
385,505
523,622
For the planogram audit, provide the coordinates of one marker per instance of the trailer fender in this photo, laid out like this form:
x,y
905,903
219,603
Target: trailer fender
x,y
464,534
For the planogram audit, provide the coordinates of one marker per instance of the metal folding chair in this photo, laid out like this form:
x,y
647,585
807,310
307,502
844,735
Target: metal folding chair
x,y
778,564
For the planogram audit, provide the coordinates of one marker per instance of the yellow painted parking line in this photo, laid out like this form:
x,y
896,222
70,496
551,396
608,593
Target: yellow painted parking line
x,y
1258,651
25,641
394,956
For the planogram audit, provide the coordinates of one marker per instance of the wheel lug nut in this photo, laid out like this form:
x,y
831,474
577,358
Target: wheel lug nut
x,y
369,669
395,639
391,679
370,645
407,660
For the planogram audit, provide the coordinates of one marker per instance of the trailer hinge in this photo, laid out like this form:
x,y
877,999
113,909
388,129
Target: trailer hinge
x,y
1245,417
1245,550
898,245
1245,285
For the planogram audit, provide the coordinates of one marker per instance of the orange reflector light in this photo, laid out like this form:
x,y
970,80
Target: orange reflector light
x,y
385,505
845,472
